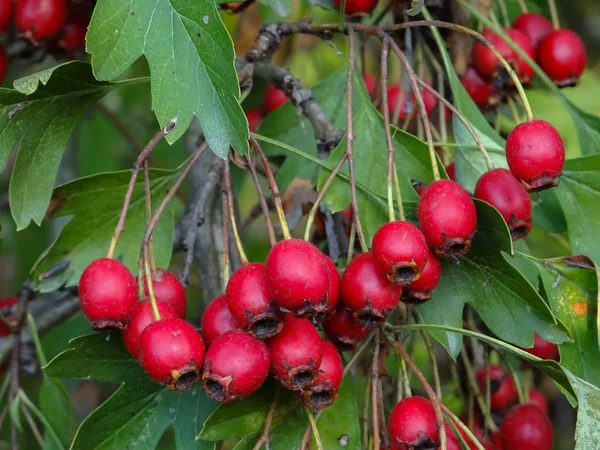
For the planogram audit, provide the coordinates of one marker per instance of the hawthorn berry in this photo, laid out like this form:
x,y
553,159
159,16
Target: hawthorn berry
x,y
168,289
535,154
447,218
370,83
6,9
500,189
420,290
72,38
452,436
217,320
250,303
397,94
324,389
142,317
483,92
413,424
298,278
496,439
171,352
538,399
296,353
484,59
563,57
357,7
523,69
8,310
451,171
526,427
274,98
344,330
367,292
502,386
535,26
334,284
40,20
235,366
3,63
255,117
107,293
543,349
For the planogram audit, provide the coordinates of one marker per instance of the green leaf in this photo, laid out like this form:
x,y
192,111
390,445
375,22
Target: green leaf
x,y
280,7
547,212
191,61
55,405
415,7
587,432
37,118
95,204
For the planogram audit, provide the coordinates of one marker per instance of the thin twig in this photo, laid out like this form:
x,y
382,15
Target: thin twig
x,y
315,429
374,391
264,439
475,390
262,200
465,429
229,196
357,353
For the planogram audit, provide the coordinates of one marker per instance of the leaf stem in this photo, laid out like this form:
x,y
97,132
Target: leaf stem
x,y
234,227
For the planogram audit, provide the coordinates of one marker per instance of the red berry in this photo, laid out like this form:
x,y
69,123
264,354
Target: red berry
x,y
474,426
420,290
524,70
419,187
6,7
296,353
563,57
40,19
400,251
484,59
543,349
334,284
484,93
397,94
324,389
3,63
72,39
274,98
413,424
172,353
526,427
217,320
343,329
535,26
496,438
8,311
538,399
235,366
298,278
370,83
447,218
502,386
367,292
357,7
255,117
535,154
250,303
167,288
142,317
500,189
451,171
108,294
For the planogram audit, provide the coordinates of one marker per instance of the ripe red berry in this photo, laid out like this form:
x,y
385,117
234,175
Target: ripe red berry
x,y
298,278
502,386
535,154
483,92
451,171
357,7
6,7
496,439
367,292
142,317
563,57
420,290
413,424
397,94
274,98
370,83
447,218
8,310
500,189
108,294
538,399
217,320
484,59
535,26
524,70
344,330
255,117
324,389
334,284
72,38
296,353
452,436
172,353
543,349
235,366
250,303
40,20
167,288
526,427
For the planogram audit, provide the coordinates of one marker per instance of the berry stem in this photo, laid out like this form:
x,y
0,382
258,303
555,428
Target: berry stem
x,y
264,439
229,197
374,391
441,88
226,262
388,134
148,196
504,13
357,353
315,429
398,195
523,5
554,14
517,381
459,423
150,283
513,110
262,200
434,365
404,389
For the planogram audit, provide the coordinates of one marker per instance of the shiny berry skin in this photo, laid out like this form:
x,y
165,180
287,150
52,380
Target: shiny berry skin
x,y
500,189
543,349
484,59
296,353
419,291
502,386
400,251
538,399
367,292
563,57
235,366
535,26
255,117
40,19
6,7
298,278
334,284
8,309
250,303
274,98
217,320
483,92
397,94
324,389
526,427
142,317
357,7
344,330
447,218
524,70
370,83
535,154
108,294
72,38
167,288
413,424
172,353
451,171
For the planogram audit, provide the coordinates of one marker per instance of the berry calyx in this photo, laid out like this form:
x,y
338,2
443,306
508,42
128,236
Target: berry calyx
x,y
6,8
235,366
217,320
400,251
500,189
535,26
344,330
324,389
108,294
483,92
298,278
357,7
543,349
367,292
447,218
334,285
8,310
172,353
274,98
72,38
563,57
413,424
142,317
397,99
502,386
40,20
255,117
535,154
538,399
169,290
419,291
526,426
250,303
296,353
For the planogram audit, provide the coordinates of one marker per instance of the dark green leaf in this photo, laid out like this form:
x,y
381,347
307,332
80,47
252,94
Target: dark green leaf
x,y
415,7
55,405
587,432
547,212
248,442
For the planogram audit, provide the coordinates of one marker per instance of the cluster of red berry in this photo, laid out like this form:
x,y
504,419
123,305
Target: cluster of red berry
x,y
273,99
